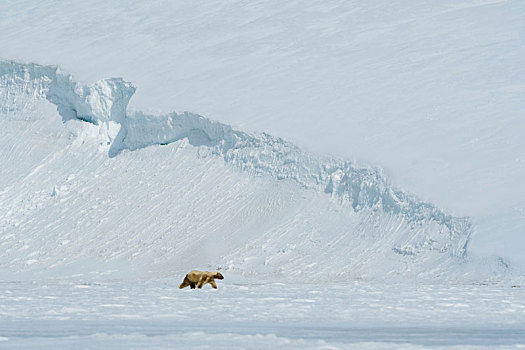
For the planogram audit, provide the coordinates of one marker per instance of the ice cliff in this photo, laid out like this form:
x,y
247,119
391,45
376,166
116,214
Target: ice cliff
x,y
104,104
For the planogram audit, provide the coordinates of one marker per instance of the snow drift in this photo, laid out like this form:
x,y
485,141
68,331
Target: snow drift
x,y
250,203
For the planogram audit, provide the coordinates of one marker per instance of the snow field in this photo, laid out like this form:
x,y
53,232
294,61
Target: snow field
x,y
260,314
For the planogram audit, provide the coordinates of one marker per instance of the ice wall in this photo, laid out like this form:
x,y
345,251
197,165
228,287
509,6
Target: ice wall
x,y
102,103
365,188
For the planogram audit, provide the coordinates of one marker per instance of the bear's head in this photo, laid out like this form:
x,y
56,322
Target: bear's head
x,y
219,276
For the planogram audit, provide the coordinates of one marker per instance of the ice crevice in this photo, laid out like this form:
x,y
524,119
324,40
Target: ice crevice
x,y
105,102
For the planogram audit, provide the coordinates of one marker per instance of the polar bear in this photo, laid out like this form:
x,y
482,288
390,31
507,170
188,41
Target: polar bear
x,y
200,278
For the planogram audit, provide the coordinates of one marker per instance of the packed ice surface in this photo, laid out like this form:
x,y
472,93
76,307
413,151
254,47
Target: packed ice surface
x,y
244,314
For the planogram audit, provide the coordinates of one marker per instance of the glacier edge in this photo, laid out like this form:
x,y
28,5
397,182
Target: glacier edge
x,y
105,102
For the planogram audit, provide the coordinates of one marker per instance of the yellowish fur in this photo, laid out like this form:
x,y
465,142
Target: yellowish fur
x,y
200,278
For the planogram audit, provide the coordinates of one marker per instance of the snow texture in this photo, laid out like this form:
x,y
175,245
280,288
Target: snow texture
x,y
156,314
380,219
431,92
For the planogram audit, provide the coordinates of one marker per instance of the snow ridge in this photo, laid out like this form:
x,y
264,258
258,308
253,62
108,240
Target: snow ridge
x,y
104,104
364,187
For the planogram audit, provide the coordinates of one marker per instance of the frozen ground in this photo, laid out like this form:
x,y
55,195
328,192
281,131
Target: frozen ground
x,y
346,315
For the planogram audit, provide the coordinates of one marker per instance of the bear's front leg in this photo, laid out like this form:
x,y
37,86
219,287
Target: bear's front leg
x,y
213,284
202,280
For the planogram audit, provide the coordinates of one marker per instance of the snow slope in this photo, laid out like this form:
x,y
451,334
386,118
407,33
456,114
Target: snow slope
x,y
90,186
429,91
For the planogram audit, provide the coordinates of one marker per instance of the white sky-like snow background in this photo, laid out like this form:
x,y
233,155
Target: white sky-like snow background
x,y
430,91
